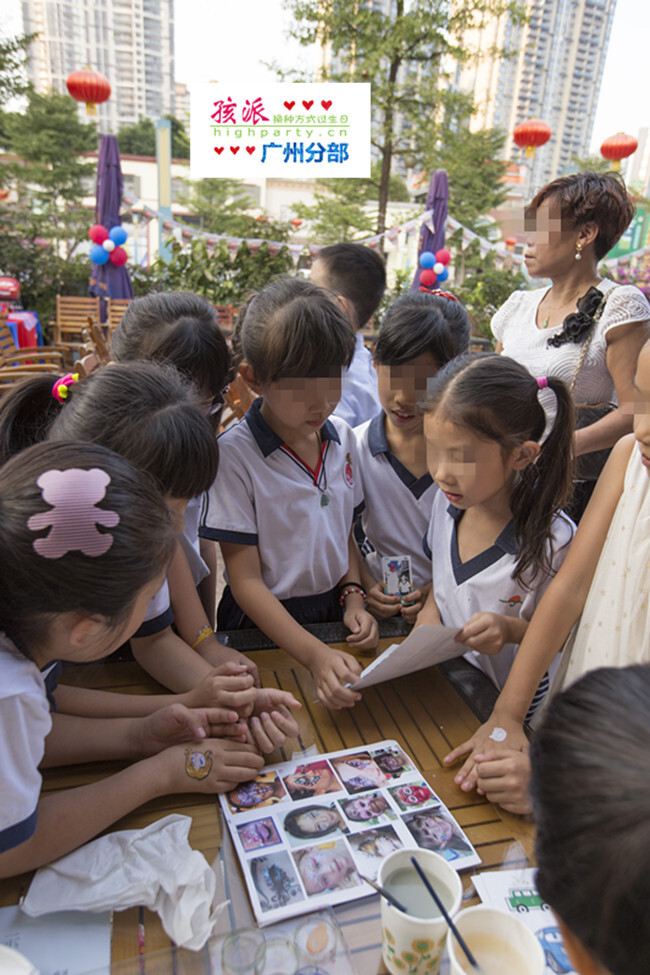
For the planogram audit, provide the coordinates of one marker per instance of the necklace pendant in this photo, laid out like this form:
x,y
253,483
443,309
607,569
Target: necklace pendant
x,y
324,500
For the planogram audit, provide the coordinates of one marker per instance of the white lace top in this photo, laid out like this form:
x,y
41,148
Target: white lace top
x,y
514,326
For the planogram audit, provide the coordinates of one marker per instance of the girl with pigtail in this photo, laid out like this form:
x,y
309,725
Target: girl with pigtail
x,y
497,534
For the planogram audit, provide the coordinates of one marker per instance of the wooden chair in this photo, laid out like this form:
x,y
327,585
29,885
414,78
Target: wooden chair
x,y
73,315
10,376
116,309
237,400
95,350
39,356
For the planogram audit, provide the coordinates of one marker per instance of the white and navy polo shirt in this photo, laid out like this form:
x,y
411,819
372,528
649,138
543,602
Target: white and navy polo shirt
x,y
264,495
397,505
25,723
484,584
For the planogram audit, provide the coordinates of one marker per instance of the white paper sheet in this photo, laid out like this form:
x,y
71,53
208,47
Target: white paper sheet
x,y
70,942
424,647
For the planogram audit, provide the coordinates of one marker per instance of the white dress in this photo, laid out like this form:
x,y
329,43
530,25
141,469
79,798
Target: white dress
x,y
514,326
614,629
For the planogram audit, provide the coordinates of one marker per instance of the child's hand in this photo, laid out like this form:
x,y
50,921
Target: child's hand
x,y
485,632
270,698
501,734
175,723
380,603
209,765
503,777
270,730
220,656
332,670
411,605
365,631
227,686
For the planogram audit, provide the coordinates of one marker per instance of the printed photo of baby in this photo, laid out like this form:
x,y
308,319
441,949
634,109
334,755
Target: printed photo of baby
x,y
327,867
414,795
366,808
258,834
393,762
311,779
370,847
311,822
359,772
434,829
275,880
264,790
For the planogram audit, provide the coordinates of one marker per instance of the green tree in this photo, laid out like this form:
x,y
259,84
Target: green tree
x,y
401,54
223,205
485,291
595,164
139,139
13,57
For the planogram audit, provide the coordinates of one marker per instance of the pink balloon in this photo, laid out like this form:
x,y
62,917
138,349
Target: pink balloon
x,y
443,255
118,256
428,277
98,234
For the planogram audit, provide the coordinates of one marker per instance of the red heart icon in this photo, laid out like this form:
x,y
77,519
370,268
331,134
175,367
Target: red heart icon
x,y
250,150
326,105
234,150
308,105
218,150
289,105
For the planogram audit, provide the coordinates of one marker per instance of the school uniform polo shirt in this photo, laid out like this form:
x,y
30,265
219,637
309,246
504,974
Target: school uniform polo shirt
x,y
359,396
25,722
397,505
484,584
264,496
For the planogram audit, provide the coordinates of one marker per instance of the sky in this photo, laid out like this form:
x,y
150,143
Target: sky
x,y
219,40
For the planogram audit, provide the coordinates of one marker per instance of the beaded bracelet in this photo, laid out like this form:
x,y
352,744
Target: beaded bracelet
x,y
202,634
350,588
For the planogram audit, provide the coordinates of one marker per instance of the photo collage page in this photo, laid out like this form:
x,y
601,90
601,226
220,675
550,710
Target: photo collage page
x,y
307,832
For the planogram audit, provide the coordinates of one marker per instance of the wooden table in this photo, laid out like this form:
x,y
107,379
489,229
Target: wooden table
x,y
421,711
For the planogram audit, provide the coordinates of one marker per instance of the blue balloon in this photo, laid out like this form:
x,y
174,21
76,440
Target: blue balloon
x,y
427,259
443,275
118,235
98,255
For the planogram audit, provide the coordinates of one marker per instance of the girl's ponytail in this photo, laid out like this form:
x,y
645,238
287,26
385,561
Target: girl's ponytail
x,y
544,488
27,413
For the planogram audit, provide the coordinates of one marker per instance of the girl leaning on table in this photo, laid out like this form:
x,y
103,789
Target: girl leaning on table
x,y
85,540
287,490
604,584
158,426
497,534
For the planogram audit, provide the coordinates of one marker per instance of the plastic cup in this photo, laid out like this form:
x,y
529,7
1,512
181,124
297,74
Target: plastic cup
x,y
280,957
500,942
412,943
243,951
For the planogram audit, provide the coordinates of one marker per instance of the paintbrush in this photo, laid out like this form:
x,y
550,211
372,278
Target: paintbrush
x,y
385,893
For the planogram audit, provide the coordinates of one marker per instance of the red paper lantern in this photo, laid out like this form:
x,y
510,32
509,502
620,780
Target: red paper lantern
x,y
531,135
618,147
510,242
296,222
90,87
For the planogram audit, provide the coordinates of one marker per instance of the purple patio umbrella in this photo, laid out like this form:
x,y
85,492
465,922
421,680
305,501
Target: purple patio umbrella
x,y
437,200
109,280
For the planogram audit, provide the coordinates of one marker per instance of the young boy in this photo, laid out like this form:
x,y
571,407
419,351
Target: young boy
x,y
419,334
357,275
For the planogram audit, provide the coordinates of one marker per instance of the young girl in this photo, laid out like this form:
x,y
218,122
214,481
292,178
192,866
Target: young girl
x,y
419,334
591,802
85,539
606,578
496,536
284,499
156,425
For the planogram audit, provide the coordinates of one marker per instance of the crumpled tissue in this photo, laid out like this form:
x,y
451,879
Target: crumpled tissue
x,y
154,867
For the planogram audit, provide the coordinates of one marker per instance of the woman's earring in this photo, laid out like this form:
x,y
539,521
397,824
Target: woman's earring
x,y
578,255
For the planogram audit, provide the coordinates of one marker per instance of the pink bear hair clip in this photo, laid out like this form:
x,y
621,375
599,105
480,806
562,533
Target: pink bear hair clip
x,y
73,517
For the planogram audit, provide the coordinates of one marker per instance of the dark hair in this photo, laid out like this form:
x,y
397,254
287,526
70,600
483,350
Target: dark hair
x,y
418,323
293,328
496,398
146,413
292,826
589,197
358,273
591,799
415,824
177,328
34,589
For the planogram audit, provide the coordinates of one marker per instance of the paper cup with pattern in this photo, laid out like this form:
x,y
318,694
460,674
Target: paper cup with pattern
x,y
499,941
